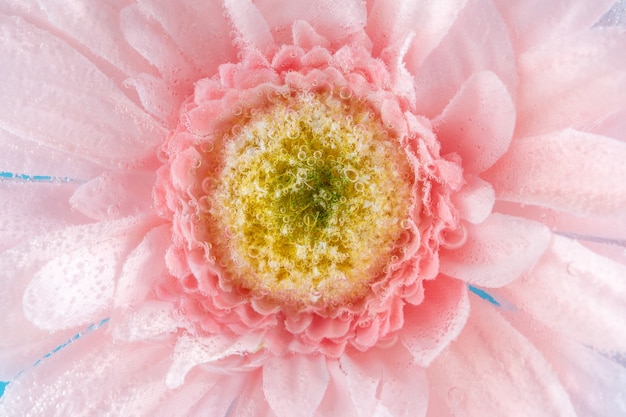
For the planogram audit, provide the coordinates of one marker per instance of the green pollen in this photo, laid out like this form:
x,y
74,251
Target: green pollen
x,y
312,196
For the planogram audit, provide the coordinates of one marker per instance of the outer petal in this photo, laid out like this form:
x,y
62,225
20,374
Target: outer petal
x,y
576,172
336,399
193,350
23,156
34,208
91,371
475,200
294,385
251,401
594,382
492,370
578,292
44,80
250,24
430,326
478,122
386,382
478,41
390,24
573,82
334,21
533,22
75,287
93,28
115,195
21,263
199,31
497,251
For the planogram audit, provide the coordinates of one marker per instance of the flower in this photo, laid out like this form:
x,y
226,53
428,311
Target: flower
x,y
264,208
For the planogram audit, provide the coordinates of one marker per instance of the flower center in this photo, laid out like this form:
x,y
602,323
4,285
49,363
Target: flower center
x,y
311,198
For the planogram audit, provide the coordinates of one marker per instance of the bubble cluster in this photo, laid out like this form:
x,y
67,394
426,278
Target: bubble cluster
x,y
311,198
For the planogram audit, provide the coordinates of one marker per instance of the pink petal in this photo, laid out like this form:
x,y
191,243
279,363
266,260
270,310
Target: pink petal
x,y
295,384
152,41
156,97
193,350
144,267
492,370
383,387
183,401
478,41
250,23
93,29
305,36
576,172
430,326
115,195
583,297
430,21
475,200
22,263
601,229
478,122
100,376
76,287
335,401
334,21
574,82
533,22
207,44
251,400
497,251
22,156
594,382
30,209
42,85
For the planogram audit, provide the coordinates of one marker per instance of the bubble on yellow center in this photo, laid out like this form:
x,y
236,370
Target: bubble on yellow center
x,y
312,197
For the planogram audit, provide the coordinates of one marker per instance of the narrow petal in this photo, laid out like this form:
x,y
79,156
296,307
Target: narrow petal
x,y
294,385
101,377
478,122
430,21
572,171
430,326
115,195
250,23
533,22
478,41
44,80
492,370
497,251
584,296
334,21
574,82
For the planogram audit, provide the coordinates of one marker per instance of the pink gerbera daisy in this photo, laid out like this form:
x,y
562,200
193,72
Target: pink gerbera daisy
x,y
356,208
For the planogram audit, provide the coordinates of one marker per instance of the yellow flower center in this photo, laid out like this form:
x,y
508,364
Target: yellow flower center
x,y
312,196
